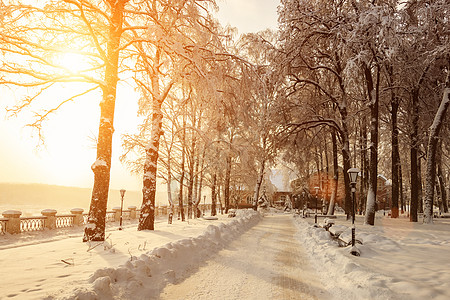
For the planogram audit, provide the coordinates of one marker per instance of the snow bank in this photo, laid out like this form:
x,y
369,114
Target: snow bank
x,y
399,259
340,272
145,276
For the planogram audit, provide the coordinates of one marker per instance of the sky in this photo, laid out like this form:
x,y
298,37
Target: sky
x,y
249,15
69,149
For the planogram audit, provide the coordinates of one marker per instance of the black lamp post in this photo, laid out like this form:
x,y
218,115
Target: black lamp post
x,y
317,193
122,194
353,174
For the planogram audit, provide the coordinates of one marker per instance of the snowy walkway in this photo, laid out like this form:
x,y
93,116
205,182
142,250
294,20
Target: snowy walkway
x,y
266,262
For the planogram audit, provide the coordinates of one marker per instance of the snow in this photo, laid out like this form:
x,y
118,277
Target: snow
x,y
105,120
399,260
442,109
35,267
150,175
99,163
370,207
262,263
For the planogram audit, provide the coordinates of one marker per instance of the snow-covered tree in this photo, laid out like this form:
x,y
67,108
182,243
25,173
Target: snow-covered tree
x,y
36,38
432,149
177,46
260,119
316,57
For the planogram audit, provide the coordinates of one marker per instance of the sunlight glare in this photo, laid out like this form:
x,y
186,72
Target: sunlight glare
x,y
73,62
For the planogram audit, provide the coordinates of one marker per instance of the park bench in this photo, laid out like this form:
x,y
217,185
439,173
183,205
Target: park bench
x,y
345,238
327,223
231,213
341,233
336,230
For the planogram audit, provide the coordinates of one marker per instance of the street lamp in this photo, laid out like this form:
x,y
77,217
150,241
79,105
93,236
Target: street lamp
x,y
353,174
317,192
122,194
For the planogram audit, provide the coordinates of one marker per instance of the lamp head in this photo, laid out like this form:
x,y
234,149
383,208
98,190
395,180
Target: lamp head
x,y
122,192
353,175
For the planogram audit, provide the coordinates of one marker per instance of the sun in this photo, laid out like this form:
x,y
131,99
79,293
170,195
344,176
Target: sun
x,y
73,62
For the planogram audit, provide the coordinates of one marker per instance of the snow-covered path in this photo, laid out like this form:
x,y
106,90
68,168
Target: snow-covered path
x,y
266,262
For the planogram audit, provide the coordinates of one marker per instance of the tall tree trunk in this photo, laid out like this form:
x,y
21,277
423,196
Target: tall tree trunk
x,y
414,151
395,156
431,157
414,156
258,185
169,190
213,195
401,189
420,197
219,198
344,135
364,182
95,227
321,169
327,168
147,216
195,187
227,183
441,179
200,186
448,187
191,178
335,174
183,162
438,197
373,94
319,177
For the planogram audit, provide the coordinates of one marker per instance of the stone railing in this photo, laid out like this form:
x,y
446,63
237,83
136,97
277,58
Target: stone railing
x,y
12,222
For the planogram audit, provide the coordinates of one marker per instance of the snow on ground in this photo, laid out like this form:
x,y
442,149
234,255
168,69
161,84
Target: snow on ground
x,y
266,262
399,259
56,264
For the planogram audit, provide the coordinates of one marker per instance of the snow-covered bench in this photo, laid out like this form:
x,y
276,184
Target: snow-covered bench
x,y
342,233
327,223
345,238
231,213
336,230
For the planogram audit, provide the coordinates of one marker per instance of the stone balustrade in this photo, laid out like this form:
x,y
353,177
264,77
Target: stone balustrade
x,y
50,221
13,223
78,219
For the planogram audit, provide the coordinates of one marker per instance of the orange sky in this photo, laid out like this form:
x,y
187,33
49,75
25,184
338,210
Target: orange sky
x,y
69,153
